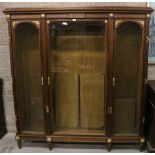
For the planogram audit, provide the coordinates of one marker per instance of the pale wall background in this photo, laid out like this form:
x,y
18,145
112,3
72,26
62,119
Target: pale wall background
x,y
5,71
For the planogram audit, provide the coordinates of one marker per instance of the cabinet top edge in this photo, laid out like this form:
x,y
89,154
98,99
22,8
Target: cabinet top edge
x,y
106,9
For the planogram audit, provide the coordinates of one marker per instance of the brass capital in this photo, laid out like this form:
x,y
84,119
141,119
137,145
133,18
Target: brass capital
x,y
109,140
17,137
142,140
43,15
111,14
7,16
49,139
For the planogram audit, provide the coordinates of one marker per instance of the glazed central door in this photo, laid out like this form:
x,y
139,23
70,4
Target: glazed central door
x,y
77,69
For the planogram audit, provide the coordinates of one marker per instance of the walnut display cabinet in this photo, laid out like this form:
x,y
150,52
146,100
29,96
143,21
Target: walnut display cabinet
x,y
79,74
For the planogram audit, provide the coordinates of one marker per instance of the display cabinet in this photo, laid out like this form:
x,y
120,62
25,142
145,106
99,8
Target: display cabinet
x,y
79,74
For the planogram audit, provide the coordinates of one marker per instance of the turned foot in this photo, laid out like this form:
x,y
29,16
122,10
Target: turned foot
x,y
18,139
109,145
49,141
141,146
50,145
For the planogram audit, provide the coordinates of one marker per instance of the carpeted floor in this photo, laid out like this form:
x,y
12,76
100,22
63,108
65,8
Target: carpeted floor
x,y
8,145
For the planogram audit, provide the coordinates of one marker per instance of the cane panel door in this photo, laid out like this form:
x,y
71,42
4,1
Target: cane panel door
x,y
28,75
127,77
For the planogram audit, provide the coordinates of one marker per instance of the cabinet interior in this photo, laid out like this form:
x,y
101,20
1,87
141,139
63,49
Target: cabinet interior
x,y
78,72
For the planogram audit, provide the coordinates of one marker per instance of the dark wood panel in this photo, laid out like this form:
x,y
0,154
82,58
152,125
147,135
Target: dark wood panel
x,y
125,119
81,9
92,100
130,16
22,17
66,100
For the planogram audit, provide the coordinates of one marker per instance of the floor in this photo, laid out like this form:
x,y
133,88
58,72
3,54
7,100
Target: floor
x,y
8,145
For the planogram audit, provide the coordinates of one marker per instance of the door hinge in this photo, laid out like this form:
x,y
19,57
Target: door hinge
x,y
113,81
109,110
49,80
145,81
47,109
143,120
42,81
16,117
9,39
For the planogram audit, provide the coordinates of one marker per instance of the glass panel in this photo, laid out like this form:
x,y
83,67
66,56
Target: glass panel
x,y
66,99
29,77
77,69
128,78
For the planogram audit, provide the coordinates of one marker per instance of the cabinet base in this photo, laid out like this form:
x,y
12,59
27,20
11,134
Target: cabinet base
x,y
109,141
19,141
109,147
49,141
141,147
